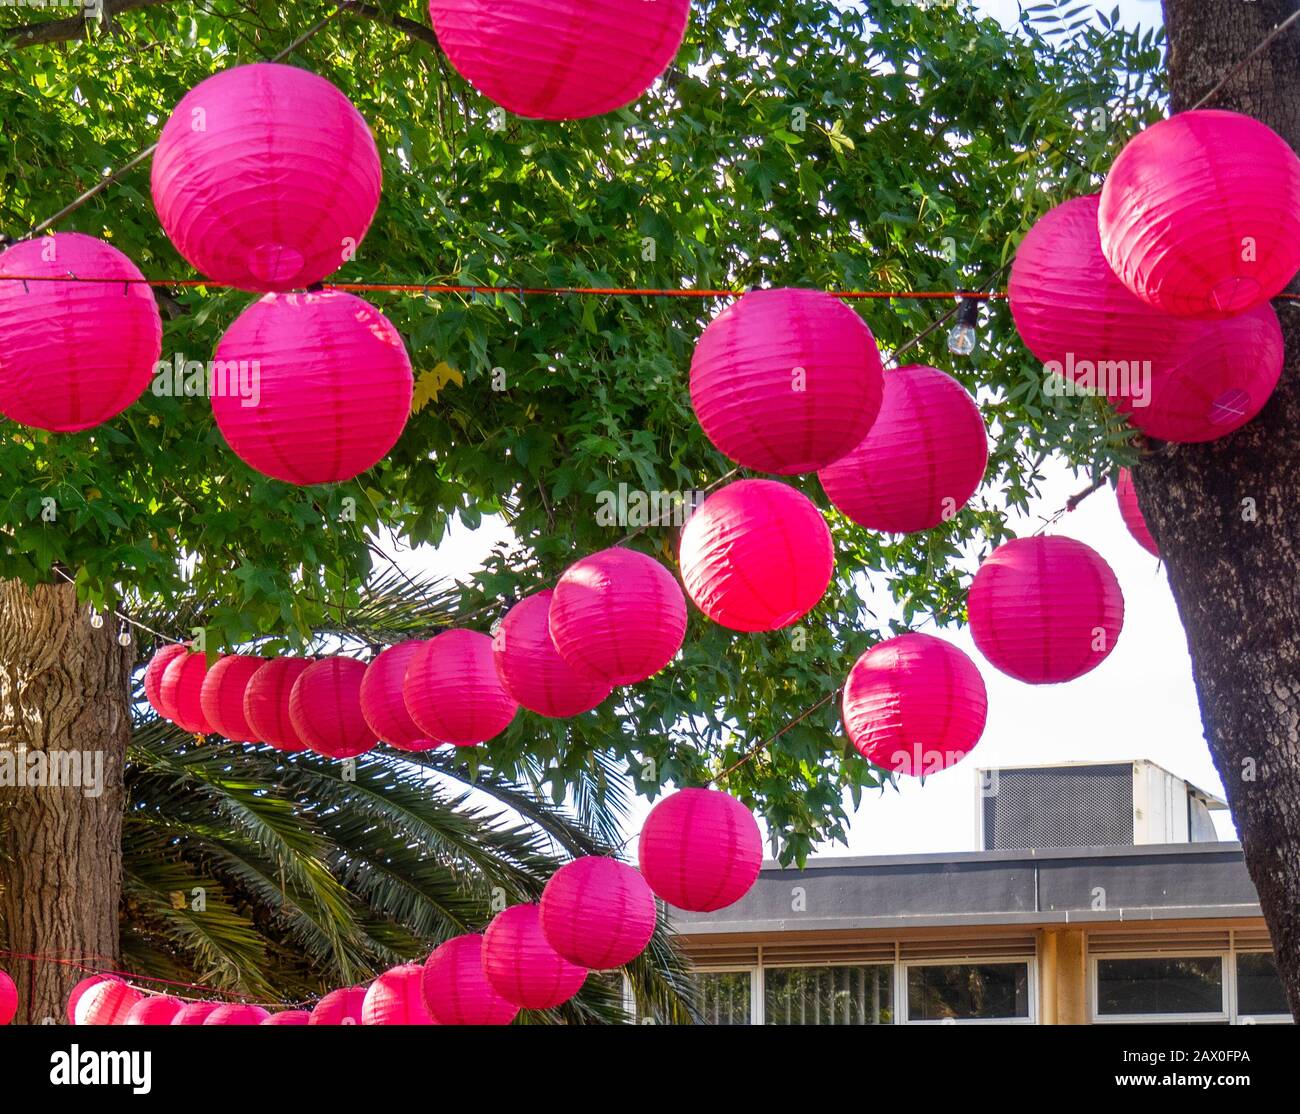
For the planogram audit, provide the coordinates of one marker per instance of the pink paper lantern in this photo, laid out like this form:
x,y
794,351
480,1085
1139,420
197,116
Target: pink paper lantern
x,y
757,556
288,1017
195,1013
222,696
922,460
1200,214
397,998
531,669
340,1007
618,615
560,59
266,177
383,704
266,703
1045,609
181,690
73,354
914,704
522,967
452,690
322,388
8,999
106,1003
786,381
153,673
325,708
700,849
1131,513
236,1013
156,1009
77,991
457,992
597,912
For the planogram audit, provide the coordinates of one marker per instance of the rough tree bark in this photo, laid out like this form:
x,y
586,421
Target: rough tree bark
x,y
1225,513
64,688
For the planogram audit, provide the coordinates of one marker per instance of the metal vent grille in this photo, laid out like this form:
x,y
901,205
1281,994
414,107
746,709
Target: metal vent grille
x,y
841,953
734,955
1058,806
996,948
1191,940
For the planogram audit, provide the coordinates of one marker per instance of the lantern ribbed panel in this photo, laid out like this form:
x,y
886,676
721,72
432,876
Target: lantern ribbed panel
x,y
914,704
266,703
1131,513
106,1003
700,849
560,59
266,177
1039,605
756,556
222,696
8,999
452,690
195,1013
383,704
531,669
1183,204
333,386
340,1007
597,912
236,1013
153,674
786,381
922,460
73,354
457,992
522,967
325,708
181,690
288,1017
397,998
618,615
157,1009
77,991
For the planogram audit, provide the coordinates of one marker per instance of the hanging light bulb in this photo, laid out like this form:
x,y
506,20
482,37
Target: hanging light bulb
x,y
96,619
123,635
961,340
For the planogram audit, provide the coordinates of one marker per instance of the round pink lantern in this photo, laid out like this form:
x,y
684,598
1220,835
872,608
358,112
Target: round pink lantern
x,y
77,991
397,998
597,912
153,674
922,460
196,1013
1045,609
8,999
222,696
560,59
73,354
325,708
1131,513
236,1013
452,690
266,177
288,1017
1200,214
266,703
383,704
340,1007
757,556
522,967
317,387
532,670
618,615
786,381
181,691
106,1003
457,992
700,849
914,704
157,1009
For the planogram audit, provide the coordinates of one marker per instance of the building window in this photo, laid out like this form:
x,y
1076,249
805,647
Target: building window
x,y
723,997
862,995
968,992
1259,987
1164,987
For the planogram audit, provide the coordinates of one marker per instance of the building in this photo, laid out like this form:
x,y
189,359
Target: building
x,y
1101,894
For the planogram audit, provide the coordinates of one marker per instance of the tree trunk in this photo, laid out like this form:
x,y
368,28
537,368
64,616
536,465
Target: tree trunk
x,y
65,715
1225,513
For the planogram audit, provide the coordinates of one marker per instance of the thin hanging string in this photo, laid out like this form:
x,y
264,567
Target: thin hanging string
x,y
1232,73
126,618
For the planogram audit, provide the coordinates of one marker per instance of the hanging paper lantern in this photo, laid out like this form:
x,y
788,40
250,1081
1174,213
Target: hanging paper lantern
x,y
266,177
453,692
922,460
73,354
786,381
340,1007
156,1009
195,1013
1200,214
757,556
266,703
397,998
457,992
288,1017
325,708
597,912
236,1013
106,1003
153,673
77,991
522,967
1131,513
914,704
1045,609
700,849
317,386
181,690
560,59
222,696
618,615
383,704
8,999
531,669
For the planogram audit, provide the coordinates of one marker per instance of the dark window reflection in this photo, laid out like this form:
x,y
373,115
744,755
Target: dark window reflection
x,y
1259,988
829,995
967,991
1160,985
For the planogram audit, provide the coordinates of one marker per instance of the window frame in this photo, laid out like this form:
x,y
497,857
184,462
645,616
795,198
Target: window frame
x,y
1029,962
1238,1018
760,1000
1227,993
